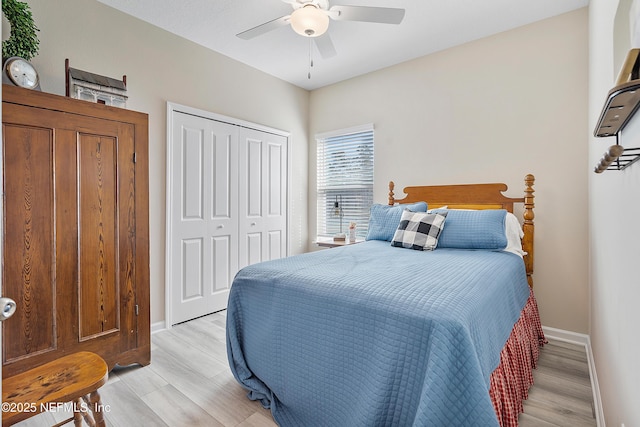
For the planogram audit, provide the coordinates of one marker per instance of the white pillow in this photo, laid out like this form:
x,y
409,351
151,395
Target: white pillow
x,y
514,233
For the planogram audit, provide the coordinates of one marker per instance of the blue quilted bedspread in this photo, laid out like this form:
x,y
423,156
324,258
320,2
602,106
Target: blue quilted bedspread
x,y
372,335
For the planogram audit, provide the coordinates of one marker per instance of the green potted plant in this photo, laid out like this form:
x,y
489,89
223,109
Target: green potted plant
x,y
23,41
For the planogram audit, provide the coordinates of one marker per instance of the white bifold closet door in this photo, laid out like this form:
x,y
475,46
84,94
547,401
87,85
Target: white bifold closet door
x,y
263,200
227,207
204,240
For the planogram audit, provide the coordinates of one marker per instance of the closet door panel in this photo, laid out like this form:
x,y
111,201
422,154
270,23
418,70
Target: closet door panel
x,y
192,169
203,238
221,262
276,243
263,207
276,186
223,199
192,259
276,196
252,250
251,197
253,169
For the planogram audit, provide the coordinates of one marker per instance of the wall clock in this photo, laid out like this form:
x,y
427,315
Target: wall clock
x,y
20,72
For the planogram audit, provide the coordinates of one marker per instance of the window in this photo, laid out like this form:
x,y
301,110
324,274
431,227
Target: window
x,y
345,176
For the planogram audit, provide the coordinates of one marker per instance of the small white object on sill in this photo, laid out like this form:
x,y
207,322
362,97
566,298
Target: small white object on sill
x,y
352,232
340,237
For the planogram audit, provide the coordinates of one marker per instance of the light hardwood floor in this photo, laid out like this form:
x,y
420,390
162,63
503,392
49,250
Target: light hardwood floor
x,y
561,394
188,383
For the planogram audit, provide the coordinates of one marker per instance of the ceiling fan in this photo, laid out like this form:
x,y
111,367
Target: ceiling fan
x,y
310,18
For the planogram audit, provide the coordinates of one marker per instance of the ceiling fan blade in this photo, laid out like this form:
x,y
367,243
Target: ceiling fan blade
x,y
264,28
382,15
325,46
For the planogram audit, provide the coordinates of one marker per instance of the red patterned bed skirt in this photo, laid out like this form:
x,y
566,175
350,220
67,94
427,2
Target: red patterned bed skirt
x,y
510,382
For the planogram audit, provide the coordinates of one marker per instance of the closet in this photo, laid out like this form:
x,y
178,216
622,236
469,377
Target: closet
x,y
226,206
75,234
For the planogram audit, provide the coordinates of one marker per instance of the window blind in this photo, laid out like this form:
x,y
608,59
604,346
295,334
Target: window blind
x,y
345,175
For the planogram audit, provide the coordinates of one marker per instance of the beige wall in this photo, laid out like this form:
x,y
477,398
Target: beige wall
x,y
489,111
614,228
162,67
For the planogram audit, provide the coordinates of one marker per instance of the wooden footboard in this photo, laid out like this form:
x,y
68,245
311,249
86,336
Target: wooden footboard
x,y
478,196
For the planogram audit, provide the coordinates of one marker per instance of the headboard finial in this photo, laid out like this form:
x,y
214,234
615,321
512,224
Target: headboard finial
x,y
392,200
528,227
528,198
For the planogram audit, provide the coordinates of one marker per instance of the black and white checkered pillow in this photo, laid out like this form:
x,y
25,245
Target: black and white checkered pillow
x,y
419,230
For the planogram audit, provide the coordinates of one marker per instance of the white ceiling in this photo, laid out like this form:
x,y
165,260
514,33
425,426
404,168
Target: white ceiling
x,y
428,26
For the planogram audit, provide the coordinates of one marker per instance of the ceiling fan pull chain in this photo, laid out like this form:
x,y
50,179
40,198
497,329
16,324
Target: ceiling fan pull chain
x,y
310,60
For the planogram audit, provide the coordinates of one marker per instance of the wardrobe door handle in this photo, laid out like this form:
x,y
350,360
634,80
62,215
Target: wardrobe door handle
x,y
7,308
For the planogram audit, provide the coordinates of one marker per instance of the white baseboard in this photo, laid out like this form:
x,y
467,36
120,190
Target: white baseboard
x,y
157,327
582,339
566,336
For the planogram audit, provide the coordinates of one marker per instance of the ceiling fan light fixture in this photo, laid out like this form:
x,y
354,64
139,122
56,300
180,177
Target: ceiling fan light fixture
x,y
309,21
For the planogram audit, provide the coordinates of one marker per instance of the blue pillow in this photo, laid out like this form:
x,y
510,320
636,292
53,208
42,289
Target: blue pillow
x,y
384,219
482,229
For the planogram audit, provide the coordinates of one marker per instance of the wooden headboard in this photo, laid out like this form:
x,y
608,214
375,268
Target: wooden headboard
x,y
478,196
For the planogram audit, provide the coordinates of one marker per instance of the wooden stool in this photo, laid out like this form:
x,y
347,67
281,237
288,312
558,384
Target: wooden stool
x,y
69,382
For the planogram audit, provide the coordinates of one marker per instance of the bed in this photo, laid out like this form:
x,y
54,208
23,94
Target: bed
x,y
378,334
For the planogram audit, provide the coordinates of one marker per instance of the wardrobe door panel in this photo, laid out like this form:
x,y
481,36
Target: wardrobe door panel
x,y
98,294
66,223
29,241
127,232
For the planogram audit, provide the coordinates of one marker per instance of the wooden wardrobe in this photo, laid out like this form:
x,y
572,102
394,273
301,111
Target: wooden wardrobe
x,y
76,230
